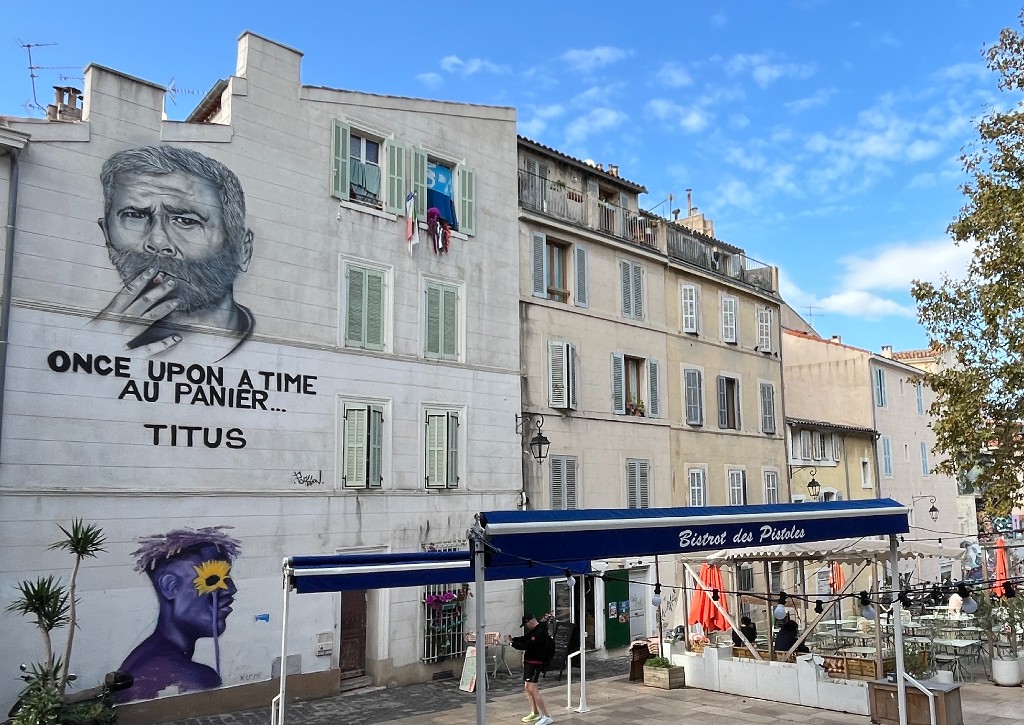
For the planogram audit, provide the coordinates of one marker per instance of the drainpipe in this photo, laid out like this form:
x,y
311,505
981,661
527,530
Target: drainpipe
x,y
5,310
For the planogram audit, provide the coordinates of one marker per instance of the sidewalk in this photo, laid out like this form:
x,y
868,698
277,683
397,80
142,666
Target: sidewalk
x,y
612,698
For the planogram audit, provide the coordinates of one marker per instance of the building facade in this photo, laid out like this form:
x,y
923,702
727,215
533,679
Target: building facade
x,y
651,355
249,356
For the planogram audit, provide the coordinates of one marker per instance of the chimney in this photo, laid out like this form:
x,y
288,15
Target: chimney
x,y
65,104
689,202
838,339
887,351
613,169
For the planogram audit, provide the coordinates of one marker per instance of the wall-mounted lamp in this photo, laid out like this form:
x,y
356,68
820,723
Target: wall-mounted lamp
x,y
813,487
539,444
933,511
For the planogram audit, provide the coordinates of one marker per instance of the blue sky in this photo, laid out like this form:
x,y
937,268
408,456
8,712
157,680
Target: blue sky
x,y
822,137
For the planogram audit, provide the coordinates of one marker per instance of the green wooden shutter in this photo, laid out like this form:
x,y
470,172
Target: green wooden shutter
x,y
375,468
433,316
355,299
374,310
395,202
557,394
582,289
467,200
450,323
539,264
339,153
419,181
436,453
355,446
618,383
452,445
654,389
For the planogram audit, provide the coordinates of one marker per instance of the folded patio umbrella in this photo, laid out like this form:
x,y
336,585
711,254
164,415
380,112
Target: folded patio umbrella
x,y
702,609
836,577
1002,567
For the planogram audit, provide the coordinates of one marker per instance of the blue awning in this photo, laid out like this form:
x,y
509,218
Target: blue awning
x,y
340,572
515,537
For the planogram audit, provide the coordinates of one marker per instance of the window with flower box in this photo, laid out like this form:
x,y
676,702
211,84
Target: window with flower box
x,y
444,614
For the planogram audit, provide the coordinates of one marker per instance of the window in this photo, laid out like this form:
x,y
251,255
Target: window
x,y
865,473
362,434
764,329
698,487
442,321
805,445
562,375
365,307
447,186
631,275
442,448
836,445
820,446
775,569
771,486
691,308
367,168
880,394
737,487
925,468
919,390
636,386
693,384
444,626
729,319
564,472
552,261
887,456
728,402
638,483
745,583
767,408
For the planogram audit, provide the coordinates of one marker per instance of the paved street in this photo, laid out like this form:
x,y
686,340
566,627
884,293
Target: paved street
x,y
612,698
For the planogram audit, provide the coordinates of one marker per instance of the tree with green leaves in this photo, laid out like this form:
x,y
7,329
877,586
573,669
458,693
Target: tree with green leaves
x,y
978,413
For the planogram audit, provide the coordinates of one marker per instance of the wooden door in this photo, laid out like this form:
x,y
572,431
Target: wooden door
x,y
352,659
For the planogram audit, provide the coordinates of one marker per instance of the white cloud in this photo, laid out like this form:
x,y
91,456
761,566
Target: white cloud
x,y
894,267
964,72
865,305
820,98
719,19
598,119
739,121
691,119
734,192
430,80
539,123
764,70
470,66
887,40
596,95
532,128
586,61
674,75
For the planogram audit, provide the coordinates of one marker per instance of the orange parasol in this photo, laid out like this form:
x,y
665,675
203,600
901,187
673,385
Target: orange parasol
x,y
1002,567
836,577
702,609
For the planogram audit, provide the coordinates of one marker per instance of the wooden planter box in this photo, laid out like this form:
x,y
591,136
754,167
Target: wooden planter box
x,y
667,678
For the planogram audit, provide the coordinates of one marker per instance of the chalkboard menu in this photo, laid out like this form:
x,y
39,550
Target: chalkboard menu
x,y
563,635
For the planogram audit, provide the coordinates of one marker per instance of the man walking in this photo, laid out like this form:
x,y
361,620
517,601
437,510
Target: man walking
x,y
534,645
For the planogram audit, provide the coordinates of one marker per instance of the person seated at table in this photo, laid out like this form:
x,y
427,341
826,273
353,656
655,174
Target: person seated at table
x,y
788,634
955,605
748,632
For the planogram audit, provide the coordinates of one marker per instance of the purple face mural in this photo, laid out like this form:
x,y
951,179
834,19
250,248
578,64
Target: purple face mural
x,y
174,223
191,573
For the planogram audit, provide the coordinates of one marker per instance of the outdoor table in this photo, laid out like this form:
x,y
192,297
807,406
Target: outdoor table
x,y
859,650
960,648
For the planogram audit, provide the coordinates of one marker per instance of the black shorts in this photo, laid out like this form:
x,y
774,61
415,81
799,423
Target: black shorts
x,y
531,672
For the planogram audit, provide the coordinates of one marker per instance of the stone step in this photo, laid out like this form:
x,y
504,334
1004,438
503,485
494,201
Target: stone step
x,y
356,684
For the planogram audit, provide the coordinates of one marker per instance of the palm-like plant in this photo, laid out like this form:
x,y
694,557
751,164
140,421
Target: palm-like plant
x,y
46,600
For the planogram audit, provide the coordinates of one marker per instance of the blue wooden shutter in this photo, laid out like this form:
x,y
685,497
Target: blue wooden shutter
x,y
571,464
626,279
723,403
467,200
539,264
419,181
654,388
638,291
558,482
339,159
395,202
618,383
582,291
643,479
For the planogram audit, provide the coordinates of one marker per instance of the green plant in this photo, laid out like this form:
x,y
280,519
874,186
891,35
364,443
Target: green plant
x,y
1003,617
657,662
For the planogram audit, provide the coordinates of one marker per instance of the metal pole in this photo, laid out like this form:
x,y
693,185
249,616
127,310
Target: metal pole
x,y
479,562
583,646
279,719
897,629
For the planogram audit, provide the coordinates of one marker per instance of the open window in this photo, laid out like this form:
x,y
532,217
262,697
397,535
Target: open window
x,y
368,168
636,386
562,375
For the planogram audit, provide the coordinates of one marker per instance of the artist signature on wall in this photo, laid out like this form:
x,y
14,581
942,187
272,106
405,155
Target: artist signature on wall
x,y
309,480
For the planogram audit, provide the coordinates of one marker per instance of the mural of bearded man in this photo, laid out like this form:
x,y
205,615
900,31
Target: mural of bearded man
x,y
191,573
174,224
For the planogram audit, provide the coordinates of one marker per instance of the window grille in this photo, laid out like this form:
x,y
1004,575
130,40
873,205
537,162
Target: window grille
x,y
445,607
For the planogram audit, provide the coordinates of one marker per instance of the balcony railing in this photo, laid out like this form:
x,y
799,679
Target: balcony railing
x,y
559,201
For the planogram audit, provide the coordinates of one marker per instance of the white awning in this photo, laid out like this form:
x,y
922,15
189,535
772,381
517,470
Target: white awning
x,y
847,551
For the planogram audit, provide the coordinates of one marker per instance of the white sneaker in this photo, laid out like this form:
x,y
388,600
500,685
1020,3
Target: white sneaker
x,y
544,720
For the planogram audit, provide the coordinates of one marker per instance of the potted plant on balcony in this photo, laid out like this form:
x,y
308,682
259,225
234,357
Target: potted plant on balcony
x,y
659,672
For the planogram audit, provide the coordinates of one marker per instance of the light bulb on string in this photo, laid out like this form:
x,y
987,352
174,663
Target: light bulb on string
x,y
819,607
867,609
570,581
714,595
656,599
780,608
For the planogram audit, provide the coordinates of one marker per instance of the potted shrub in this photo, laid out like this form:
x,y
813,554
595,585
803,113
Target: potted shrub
x,y
1002,616
659,672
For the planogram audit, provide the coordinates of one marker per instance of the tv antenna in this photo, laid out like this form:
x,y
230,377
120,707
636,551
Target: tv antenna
x,y
173,91
810,314
32,68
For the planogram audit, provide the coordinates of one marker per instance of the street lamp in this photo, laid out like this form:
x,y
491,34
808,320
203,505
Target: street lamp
x,y
539,444
933,511
813,487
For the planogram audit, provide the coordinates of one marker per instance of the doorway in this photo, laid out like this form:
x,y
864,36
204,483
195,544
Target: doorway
x,y
352,656
639,596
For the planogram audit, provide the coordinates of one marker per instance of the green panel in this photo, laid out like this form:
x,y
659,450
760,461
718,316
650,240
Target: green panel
x,y
537,596
616,590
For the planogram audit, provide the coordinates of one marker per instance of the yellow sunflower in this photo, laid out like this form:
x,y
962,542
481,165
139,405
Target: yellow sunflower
x,y
211,576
